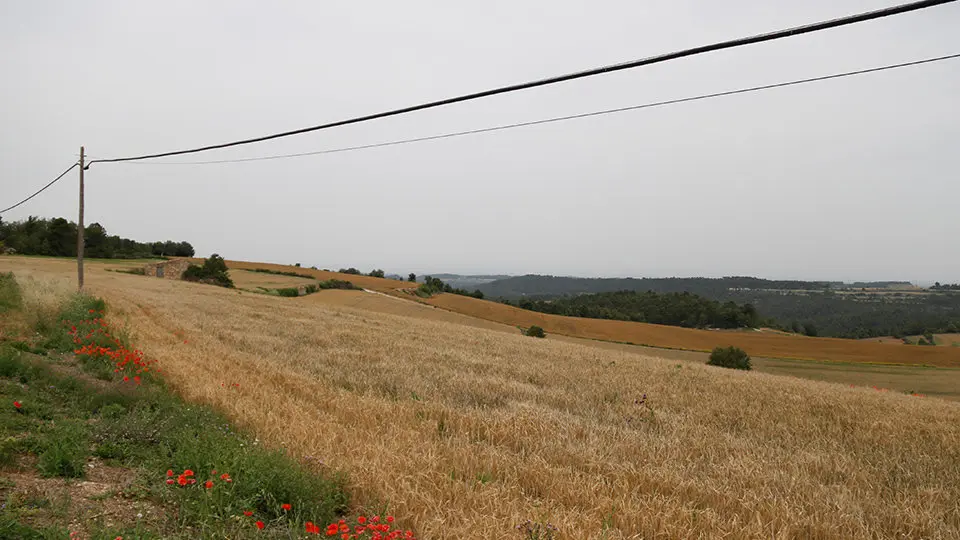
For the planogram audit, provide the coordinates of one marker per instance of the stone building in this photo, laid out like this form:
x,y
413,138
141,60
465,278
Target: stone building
x,y
172,269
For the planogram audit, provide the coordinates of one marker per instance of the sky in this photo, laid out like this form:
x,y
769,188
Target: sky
x,y
850,179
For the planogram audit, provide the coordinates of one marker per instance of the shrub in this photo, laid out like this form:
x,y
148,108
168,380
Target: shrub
x,y
730,357
213,271
288,292
535,331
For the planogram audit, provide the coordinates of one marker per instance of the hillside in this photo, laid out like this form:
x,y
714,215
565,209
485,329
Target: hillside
x,y
466,432
820,308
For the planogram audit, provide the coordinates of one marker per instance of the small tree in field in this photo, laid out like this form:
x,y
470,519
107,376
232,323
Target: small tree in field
x,y
412,277
730,357
535,331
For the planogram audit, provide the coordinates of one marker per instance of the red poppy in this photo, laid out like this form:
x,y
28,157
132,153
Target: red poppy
x,y
260,525
169,472
17,404
389,519
182,480
226,477
361,520
285,506
188,472
169,481
208,484
311,528
247,513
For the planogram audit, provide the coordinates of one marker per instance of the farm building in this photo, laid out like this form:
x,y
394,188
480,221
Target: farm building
x,y
172,269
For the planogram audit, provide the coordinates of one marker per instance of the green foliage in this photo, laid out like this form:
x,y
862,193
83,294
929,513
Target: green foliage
x,y
280,272
730,357
213,271
376,273
64,451
350,270
834,310
57,237
810,329
288,292
535,331
675,309
412,278
432,286
10,297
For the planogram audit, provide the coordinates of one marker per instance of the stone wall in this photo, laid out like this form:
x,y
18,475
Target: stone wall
x,y
167,269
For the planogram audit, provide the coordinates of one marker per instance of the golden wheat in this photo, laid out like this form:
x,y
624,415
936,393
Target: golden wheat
x,y
465,432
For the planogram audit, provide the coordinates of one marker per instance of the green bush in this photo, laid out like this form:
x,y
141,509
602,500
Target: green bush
x,y
535,331
288,292
64,451
730,357
214,271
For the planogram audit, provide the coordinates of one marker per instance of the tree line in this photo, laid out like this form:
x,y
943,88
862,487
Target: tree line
x,y
57,237
674,309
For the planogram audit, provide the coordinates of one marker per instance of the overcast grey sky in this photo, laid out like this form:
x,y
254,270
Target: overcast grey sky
x,y
848,179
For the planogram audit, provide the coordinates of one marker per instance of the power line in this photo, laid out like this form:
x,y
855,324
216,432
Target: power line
x,y
41,190
563,118
771,36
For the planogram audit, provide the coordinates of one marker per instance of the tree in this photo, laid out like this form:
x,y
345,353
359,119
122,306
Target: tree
x,y
810,329
535,331
350,270
214,270
412,277
376,273
730,357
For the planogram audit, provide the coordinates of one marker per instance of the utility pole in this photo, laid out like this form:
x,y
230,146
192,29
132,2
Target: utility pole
x,y
80,230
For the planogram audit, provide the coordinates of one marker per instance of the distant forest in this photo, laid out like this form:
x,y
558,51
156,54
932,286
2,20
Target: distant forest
x,y
674,309
812,308
57,237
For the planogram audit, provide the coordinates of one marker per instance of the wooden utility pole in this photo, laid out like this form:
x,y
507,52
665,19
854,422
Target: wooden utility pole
x,y
80,230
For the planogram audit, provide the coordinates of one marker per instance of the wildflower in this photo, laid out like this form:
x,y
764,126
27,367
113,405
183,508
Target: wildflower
x,y
226,477
17,404
389,519
260,525
182,480
136,379
247,513
311,528
126,379
169,481
361,520
286,507
208,484
188,472
169,472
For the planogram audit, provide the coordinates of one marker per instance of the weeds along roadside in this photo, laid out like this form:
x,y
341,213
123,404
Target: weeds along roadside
x,y
76,391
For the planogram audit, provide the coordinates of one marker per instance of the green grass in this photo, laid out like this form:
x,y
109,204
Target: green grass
x,y
73,411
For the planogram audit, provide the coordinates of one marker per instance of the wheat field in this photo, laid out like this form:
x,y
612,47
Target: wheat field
x,y
464,432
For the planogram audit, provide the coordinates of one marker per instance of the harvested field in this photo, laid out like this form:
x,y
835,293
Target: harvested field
x,y
366,282
762,344
465,432
252,280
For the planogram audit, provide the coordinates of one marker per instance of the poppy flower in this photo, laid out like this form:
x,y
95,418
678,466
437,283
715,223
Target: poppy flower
x,y
247,513
260,525
361,520
188,472
389,519
182,480
311,528
169,481
17,404
208,484
169,472
226,477
286,507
